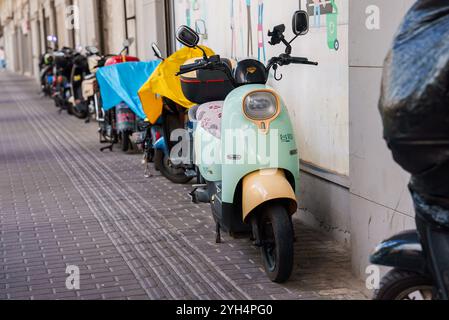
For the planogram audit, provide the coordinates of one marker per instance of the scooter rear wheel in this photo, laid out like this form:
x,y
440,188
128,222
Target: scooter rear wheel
x,y
404,285
69,107
125,140
81,112
277,242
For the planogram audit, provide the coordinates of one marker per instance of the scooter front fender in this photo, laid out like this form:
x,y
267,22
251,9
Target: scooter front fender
x,y
403,251
267,185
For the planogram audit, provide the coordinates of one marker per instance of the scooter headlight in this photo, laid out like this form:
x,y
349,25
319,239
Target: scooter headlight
x,y
260,105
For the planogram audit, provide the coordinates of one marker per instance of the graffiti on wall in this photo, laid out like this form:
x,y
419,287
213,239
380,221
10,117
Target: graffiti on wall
x,y
262,52
196,16
316,9
241,21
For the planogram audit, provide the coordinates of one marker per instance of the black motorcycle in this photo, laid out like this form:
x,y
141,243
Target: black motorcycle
x,y
46,76
78,106
414,107
62,71
410,279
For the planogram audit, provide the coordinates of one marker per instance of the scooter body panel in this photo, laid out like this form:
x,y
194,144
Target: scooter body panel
x,y
402,251
275,149
208,155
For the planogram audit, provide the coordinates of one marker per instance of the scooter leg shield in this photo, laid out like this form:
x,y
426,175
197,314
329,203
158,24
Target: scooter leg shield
x,y
267,185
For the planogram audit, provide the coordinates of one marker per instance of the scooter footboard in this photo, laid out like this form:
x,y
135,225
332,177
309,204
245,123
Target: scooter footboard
x,y
403,251
267,185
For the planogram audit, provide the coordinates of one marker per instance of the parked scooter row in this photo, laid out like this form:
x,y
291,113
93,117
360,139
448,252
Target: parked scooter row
x,y
69,77
217,121
191,102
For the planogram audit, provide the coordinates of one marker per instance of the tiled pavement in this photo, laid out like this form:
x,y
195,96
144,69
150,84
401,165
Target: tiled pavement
x,y
62,202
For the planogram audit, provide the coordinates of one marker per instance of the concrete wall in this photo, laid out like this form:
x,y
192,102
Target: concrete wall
x,y
150,27
380,203
317,97
88,33
23,46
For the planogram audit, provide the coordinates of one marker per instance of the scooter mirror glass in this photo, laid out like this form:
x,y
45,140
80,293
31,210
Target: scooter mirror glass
x,y
92,50
157,51
187,37
300,23
128,42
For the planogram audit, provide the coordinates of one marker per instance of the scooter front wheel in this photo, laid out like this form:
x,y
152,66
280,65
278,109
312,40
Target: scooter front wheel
x,y
163,164
404,285
276,241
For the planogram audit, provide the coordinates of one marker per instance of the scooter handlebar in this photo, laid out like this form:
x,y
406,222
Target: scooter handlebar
x,y
192,67
297,60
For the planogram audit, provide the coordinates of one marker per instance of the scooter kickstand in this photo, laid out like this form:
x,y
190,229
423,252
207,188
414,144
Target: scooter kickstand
x,y
110,148
218,235
147,173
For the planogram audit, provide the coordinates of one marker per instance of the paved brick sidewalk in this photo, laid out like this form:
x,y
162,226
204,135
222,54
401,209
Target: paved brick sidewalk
x,y
62,202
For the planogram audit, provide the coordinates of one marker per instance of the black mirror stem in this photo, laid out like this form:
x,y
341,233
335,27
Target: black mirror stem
x,y
204,53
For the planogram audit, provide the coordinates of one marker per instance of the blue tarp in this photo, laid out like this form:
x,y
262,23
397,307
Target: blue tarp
x,y
121,83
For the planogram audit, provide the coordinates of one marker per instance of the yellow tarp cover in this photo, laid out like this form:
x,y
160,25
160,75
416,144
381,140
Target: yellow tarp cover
x,y
164,83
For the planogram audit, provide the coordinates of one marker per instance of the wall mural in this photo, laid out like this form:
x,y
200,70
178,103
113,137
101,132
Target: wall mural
x,y
262,52
196,16
317,8
241,20
243,27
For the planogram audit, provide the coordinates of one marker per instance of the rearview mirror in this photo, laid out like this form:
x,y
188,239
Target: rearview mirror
x,y
157,51
187,37
92,50
300,23
128,42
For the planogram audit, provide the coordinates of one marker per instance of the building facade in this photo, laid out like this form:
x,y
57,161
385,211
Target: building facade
x,y
350,186
26,24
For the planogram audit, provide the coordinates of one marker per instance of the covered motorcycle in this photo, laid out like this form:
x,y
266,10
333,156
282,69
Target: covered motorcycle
x,y
119,85
415,112
165,84
164,101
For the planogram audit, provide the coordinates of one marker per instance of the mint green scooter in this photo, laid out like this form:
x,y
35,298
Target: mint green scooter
x,y
245,148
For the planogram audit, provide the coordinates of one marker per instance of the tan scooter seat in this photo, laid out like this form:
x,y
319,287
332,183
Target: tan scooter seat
x,y
88,87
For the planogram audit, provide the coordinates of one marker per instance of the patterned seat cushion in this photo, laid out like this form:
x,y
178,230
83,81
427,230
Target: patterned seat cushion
x,y
209,116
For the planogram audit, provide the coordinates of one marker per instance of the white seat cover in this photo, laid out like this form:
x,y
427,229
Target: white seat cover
x,y
209,116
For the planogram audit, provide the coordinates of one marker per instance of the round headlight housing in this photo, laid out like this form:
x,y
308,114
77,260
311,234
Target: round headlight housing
x,y
261,106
